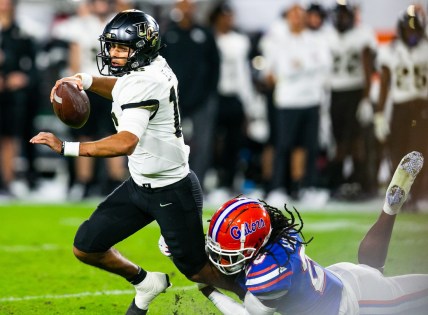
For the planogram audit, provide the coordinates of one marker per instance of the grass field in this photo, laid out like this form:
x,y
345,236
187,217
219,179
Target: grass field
x,y
39,274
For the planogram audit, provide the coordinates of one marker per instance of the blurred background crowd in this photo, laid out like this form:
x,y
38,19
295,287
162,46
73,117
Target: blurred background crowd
x,y
306,101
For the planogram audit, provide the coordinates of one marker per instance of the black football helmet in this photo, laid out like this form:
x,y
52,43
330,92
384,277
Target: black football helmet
x,y
411,26
343,16
135,29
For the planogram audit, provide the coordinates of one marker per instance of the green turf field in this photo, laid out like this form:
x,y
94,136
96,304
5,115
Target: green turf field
x,y
39,274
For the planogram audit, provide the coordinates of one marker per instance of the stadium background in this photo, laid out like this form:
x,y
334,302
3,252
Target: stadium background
x,y
37,18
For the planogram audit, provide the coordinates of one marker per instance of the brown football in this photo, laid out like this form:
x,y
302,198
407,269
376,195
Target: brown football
x,y
71,105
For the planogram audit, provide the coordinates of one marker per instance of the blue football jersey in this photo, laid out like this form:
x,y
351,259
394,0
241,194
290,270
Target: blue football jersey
x,y
287,275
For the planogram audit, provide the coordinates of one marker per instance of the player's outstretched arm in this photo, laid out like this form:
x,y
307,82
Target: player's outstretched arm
x,y
228,306
122,143
48,139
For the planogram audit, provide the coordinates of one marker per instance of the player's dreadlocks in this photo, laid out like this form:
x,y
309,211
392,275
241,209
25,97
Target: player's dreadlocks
x,y
284,227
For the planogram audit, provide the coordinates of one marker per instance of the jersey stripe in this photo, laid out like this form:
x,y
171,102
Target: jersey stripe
x,y
270,283
256,273
150,105
275,273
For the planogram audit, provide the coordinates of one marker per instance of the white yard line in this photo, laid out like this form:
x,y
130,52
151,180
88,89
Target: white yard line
x,y
28,248
83,294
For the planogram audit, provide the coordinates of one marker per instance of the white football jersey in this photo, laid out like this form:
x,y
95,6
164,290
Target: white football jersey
x,y
235,75
301,64
348,71
409,70
145,103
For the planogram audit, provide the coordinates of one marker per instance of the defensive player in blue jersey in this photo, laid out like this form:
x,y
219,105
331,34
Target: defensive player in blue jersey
x,y
266,251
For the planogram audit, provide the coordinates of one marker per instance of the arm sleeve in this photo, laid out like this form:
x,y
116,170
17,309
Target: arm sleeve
x,y
137,103
135,121
228,306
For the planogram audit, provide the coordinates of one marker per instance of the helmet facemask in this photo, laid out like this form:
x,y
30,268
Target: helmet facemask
x,y
104,63
227,261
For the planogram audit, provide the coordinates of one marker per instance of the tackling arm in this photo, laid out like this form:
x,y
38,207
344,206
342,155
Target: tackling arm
x,y
228,306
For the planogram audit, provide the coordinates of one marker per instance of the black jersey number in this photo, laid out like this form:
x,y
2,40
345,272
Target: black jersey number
x,y
347,63
404,80
174,100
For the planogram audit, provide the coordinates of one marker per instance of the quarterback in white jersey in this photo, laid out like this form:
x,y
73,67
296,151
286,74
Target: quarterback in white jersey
x,y
266,250
160,157
161,188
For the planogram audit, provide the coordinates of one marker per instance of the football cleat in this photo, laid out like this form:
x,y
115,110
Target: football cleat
x,y
152,285
134,310
401,182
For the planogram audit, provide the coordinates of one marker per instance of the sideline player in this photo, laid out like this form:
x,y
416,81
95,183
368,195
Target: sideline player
x,y
266,250
403,96
351,111
161,188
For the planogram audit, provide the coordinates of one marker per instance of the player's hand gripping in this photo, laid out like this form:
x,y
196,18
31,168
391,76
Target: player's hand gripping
x,y
48,139
76,79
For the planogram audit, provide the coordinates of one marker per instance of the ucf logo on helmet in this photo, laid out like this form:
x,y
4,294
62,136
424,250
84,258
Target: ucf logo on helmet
x,y
147,32
235,231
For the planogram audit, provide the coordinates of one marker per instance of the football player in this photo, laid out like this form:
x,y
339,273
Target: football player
x,y
297,66
351,111
161,188
265,250
404,92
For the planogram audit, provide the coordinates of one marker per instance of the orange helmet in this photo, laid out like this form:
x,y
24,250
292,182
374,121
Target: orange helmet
x,y
236,233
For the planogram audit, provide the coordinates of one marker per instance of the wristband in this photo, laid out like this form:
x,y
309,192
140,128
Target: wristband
x,y
71,148
86,80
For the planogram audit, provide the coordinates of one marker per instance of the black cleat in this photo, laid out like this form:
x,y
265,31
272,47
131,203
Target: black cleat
x,y
134,310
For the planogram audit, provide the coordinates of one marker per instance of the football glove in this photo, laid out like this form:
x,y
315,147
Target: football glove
x,y
365,112
381,127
